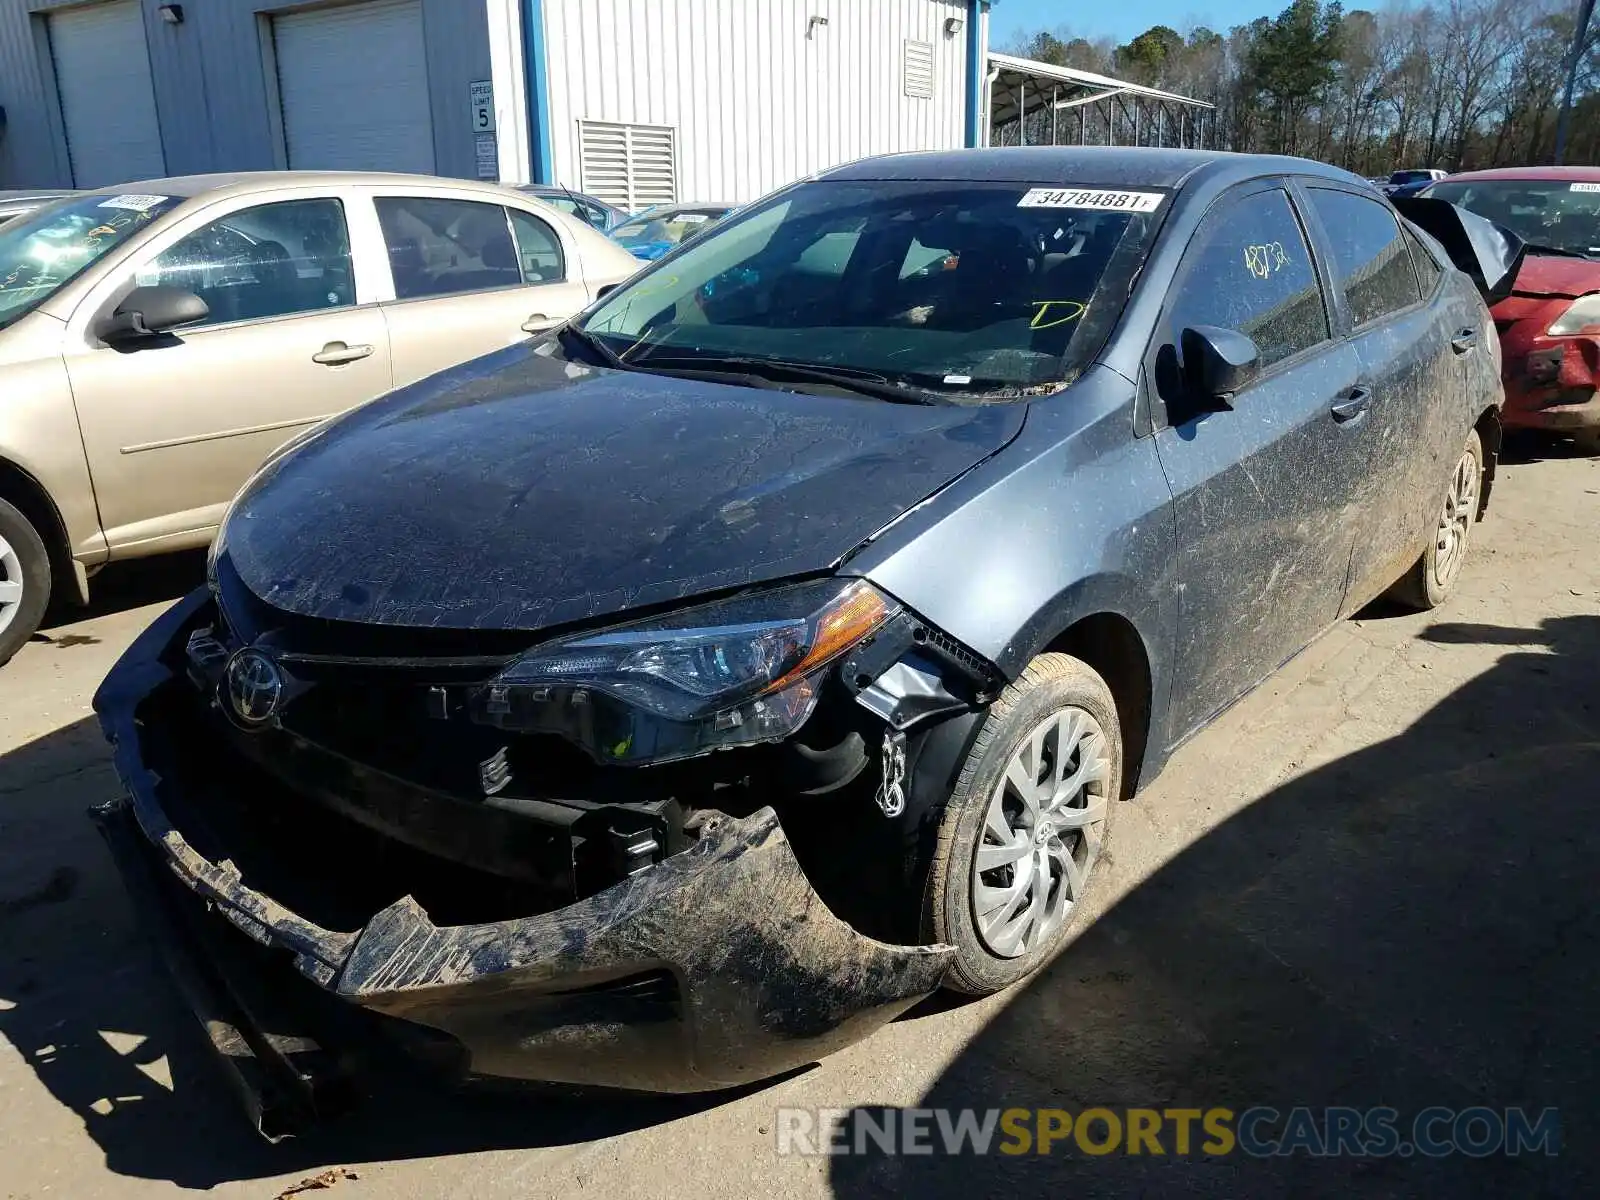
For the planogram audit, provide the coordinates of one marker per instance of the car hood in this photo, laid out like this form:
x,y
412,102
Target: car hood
x,y
524,491
1558,276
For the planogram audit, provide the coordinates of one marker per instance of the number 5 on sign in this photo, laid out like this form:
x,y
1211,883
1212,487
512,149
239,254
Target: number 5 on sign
x,y
483,107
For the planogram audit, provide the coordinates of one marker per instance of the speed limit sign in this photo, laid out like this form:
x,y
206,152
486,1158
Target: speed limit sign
x,y
483,107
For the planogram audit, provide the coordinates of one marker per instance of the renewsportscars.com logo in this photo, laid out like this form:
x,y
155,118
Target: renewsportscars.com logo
x,y
1259,1131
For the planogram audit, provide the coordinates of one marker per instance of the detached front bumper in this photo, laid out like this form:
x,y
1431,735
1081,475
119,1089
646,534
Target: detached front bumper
x,y
717,966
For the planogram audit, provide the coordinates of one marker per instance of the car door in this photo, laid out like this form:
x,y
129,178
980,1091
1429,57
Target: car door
x,y
1262,493
173,427
470,276
1409,374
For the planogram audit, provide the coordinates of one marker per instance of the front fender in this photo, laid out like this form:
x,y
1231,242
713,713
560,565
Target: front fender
x,y
1071,520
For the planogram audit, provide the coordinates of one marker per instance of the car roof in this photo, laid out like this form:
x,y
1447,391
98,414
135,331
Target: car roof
x,y
1102,166
1528,174
244,182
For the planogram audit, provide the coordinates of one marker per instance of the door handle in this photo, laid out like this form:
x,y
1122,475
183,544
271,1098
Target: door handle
x,y
337,353
537,323
1356,401
1464,341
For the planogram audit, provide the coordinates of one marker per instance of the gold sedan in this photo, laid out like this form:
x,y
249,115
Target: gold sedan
x,y
159,340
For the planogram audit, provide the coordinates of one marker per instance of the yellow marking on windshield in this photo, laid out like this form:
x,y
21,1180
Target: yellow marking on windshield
x,y
1074,310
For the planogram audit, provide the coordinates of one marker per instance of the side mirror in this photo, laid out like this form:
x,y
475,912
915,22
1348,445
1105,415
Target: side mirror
x,y
148,312
1218,363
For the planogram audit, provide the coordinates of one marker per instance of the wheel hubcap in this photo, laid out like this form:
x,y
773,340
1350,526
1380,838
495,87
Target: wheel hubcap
x,y
10,585
1042,833
1455,522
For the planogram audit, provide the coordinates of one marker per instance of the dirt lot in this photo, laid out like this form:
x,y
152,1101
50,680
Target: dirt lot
x,y
1373,882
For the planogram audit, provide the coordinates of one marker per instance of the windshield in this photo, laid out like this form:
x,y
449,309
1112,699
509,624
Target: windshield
x,y
975,286
1546,212
668,227
43,251
1405,177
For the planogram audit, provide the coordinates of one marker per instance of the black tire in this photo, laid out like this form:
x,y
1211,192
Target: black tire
x,y
1052,683
1431,579
28,558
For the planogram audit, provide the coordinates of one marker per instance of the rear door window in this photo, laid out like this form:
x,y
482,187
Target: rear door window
x,y
1371,261
1428,269
440,247
1249,269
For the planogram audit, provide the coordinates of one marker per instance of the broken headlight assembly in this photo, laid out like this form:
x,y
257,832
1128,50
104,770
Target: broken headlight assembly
x,y
732,673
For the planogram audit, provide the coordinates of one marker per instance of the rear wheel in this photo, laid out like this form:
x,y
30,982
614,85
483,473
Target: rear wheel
x,y
1434,575
24,580
1025,826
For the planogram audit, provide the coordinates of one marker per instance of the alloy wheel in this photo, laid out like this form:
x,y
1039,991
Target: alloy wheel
x,y
10,584
1455,522
1042,834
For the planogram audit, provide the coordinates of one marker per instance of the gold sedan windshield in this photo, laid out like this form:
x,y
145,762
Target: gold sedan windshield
x,y
43,251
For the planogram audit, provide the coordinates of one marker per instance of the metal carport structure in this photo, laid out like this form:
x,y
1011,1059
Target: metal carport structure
x,y
1039,104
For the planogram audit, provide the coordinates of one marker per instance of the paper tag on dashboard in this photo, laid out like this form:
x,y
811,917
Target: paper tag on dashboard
x,y
136,203
1141,202
1586,187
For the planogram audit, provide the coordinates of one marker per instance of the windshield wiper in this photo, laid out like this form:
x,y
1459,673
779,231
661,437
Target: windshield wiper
x,y
595,344
864,383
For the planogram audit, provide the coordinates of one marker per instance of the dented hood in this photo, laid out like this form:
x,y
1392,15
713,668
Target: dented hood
x,y
523,491
1557,276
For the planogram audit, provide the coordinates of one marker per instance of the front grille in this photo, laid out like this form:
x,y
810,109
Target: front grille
x,y
305,854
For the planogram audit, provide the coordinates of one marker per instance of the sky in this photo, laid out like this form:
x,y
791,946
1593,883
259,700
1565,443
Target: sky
x,y
1120,19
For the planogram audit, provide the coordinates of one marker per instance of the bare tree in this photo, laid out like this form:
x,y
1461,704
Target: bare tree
x,y
1455,83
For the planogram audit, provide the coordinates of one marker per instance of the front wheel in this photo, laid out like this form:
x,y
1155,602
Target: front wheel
x,y
1434,575
1026,824
24,581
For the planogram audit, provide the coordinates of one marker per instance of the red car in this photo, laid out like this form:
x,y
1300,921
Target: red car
x,y
1550,324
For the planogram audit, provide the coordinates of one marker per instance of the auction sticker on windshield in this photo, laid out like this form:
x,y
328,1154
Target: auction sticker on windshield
x,y
1142,202
1586,187
136,203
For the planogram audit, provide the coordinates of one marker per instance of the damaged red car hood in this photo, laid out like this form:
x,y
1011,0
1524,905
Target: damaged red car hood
x,y
1552,275
523,491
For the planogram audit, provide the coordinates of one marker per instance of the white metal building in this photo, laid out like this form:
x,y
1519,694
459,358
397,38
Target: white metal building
x,y
636,101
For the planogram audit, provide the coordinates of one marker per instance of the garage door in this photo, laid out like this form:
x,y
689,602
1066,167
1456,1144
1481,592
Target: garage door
x,y
107,103
353,83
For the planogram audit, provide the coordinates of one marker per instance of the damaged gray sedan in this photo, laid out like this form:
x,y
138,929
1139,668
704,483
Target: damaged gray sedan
x,y
671,700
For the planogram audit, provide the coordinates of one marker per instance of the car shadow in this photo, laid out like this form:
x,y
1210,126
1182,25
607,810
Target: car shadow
x,y
1530,446
1414,924
126,585
85,1003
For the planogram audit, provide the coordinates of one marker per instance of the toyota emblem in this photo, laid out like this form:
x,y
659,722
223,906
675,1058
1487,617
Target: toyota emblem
x,y
254,686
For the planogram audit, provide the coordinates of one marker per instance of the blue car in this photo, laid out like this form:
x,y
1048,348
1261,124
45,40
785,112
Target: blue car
x,y
1411,183
656,231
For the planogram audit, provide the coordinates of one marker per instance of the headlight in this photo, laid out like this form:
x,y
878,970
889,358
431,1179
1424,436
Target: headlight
x,y
1584,312
720,675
